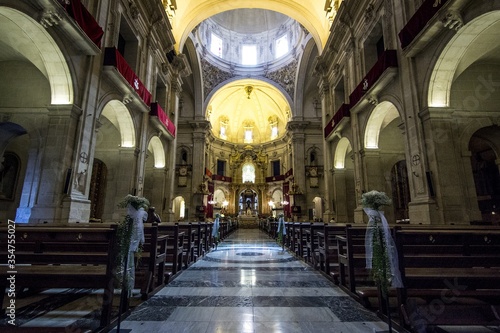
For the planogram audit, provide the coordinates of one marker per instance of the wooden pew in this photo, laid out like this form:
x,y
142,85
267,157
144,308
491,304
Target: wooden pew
x,y
457,270
175,248
150,264
352,273
189,246
311,253
63,257
327,247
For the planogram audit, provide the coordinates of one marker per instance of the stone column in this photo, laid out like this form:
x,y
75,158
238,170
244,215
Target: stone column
x,y
296,131
198,175
327,113
169,184
359,177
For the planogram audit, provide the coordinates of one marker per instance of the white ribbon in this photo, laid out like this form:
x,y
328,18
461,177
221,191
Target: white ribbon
x,y
215,229
138,217
281,225
137,237
390,247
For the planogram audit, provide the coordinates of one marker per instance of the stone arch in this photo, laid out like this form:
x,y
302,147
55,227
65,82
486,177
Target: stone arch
x,y
178,208
381,115
156,146
308,14
476,38
30,40
118,114
343,148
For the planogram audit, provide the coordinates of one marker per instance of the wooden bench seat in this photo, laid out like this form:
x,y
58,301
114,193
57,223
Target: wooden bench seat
x,y
175,248
459,269
189,246
150,264
352,261
311,253
63,257
327,247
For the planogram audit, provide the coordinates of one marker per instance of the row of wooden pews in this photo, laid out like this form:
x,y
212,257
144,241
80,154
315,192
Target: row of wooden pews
x,y
451,273
85,256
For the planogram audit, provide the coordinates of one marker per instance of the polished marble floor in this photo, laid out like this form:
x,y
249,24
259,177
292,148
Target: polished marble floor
x,y
250,285
247,285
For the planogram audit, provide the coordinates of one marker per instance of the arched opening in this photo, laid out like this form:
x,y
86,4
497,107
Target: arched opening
x,y
248,203
179,209
316,213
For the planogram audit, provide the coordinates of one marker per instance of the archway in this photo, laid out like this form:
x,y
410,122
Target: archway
x,y
179,209
24,36
344,192
476,39
248,202
191,12
317,210
115,148
384,147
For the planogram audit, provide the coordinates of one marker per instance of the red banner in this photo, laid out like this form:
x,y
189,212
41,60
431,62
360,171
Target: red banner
x,y
387,59
157,111
85,20
343,111
113,58
419,20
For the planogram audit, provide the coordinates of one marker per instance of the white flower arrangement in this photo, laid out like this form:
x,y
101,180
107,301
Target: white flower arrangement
x,y
375,199
135,201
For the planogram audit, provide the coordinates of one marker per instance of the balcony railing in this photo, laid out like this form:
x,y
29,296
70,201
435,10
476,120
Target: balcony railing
x,y
113,58
84,19
342,112
157,111
419,20
386,60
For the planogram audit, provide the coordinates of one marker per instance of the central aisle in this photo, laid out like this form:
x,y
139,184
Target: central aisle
x,y
249,285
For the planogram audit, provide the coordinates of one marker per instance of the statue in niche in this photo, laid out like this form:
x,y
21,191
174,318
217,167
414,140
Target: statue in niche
x,y
249,207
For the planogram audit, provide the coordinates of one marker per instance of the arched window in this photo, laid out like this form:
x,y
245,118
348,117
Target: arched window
x,y
248,171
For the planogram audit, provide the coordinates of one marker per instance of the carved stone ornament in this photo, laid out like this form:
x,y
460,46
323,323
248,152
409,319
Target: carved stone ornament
x,y
372,100
50,18
453,20
134,11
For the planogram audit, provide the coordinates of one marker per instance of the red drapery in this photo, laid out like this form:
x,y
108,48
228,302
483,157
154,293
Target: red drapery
x,y
387,59
113,58
85,20
156,110
343,111
418,21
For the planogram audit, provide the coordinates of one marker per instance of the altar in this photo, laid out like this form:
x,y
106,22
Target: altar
x,y
248,221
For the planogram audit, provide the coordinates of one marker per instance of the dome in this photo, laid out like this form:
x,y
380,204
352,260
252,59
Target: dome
x,y
249,40
248,105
